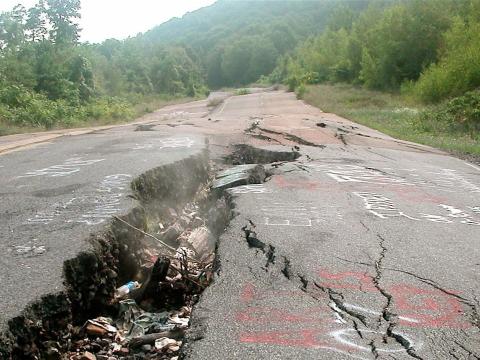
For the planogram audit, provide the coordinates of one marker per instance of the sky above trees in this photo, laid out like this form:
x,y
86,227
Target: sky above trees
x,y
121,18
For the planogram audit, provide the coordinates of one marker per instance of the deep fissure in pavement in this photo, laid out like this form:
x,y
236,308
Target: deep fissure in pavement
x,y
50,326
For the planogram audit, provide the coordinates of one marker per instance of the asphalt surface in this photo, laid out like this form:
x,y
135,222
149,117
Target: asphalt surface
x,y
55,194
366,246
370,248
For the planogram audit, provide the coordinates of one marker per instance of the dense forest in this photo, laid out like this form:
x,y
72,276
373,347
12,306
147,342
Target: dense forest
x,y
428,49
48,78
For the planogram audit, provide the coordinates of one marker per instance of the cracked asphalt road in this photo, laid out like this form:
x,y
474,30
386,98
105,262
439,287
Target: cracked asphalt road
x,y
364,247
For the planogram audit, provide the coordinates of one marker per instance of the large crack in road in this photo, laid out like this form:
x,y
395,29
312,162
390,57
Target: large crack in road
x,y
286,247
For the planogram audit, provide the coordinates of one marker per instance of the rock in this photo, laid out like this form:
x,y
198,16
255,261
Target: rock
x,y
147,348
164,343
321,124
53,354
96,347
87,356
172,232
122,352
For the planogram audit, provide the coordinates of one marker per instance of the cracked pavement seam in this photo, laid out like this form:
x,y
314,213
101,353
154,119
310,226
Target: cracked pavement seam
x,y
337,303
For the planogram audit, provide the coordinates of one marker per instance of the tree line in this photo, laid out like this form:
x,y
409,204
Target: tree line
x,y
427,48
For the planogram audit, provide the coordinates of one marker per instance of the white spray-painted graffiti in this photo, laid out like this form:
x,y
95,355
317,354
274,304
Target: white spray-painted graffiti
x,y
69,167
166,143
283,214
383,207
359,174
106,200
475,209
32,248
446,180
46,217
251,189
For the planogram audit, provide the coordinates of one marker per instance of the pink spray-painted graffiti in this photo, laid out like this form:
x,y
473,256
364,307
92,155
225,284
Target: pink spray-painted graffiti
x,y
320,327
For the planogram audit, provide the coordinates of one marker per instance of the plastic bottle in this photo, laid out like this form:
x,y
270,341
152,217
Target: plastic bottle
x,y
124,290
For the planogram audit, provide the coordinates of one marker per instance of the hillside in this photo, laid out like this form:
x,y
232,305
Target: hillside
x,y
238,41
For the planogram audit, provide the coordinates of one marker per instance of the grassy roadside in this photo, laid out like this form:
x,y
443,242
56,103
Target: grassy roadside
x,y
134,111
393,115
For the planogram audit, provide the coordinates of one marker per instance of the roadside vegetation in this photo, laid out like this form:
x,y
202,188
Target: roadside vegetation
x,y
420,54
48,79
400,117
413,69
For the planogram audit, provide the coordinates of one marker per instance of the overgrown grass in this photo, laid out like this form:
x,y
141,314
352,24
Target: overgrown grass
x,y
394,115
101,112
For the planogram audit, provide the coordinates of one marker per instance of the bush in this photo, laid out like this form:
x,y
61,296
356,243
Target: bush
x,y
242,92
458,70
459,114
300,91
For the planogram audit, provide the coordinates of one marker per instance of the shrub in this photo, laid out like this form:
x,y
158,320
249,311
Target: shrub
x,y
242,92
458,70
459,114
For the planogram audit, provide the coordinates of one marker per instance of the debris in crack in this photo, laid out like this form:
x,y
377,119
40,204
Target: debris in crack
x,y
403,342
387,315
341,137
145,127
166,243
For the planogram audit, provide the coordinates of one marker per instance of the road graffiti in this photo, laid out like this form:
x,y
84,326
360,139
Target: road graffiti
x,y
384,208
446,180
415,306
183,142
105,200
31,249
251,189
282,182
46,217
69,167
324,326
359,174
285,214
381,206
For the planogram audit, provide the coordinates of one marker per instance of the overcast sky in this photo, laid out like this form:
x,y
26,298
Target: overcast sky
x,y
104,19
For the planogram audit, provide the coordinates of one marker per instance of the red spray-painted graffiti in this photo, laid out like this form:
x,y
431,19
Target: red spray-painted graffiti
x,y
319,327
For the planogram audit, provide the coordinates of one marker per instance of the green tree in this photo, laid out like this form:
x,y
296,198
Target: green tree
x,y
36,22
63,15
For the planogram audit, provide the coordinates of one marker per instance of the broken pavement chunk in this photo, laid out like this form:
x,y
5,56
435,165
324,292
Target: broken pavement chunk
x,y
99,326
239,175
165,343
